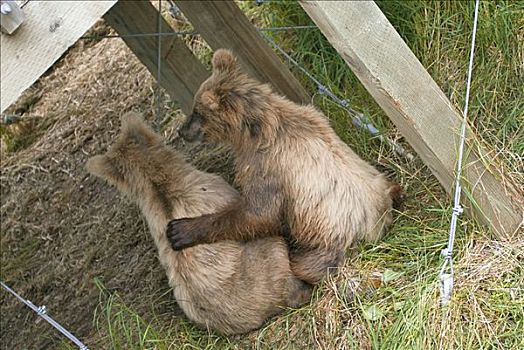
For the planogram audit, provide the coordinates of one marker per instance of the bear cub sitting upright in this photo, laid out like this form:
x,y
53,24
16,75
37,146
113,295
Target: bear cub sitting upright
x,y
230,287
292,168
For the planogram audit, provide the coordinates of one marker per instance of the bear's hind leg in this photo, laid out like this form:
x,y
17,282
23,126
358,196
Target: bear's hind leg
x,y
313,265
299,292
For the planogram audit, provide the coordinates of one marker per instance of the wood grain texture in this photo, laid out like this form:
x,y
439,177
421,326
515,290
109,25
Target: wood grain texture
x,y
223,25
399,83
181,72
50,28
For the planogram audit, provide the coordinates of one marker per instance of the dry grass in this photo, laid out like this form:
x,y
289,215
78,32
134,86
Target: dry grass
x,y
72,243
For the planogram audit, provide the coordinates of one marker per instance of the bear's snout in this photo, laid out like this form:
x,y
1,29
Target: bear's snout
x,y
191,130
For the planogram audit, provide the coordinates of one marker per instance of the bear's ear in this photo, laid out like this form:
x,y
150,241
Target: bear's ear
x,y
130,119
102,167
224,61
135,128
134,122
210,100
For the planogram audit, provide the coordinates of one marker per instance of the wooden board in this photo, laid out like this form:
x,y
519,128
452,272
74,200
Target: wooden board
x,y
388,69
181,72
223,25
49,29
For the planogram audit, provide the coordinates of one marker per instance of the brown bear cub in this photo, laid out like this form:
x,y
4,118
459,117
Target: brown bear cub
x,y
291,167
230,287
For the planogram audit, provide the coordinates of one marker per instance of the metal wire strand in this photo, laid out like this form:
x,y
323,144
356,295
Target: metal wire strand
x,y
186,33
137,35
42,312
457,208
358,118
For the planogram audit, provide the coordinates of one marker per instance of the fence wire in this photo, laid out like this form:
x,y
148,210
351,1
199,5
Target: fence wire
x,y
446,275
42,312
358,118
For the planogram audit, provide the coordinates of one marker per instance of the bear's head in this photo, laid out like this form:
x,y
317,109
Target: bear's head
x,y
229,106
137,162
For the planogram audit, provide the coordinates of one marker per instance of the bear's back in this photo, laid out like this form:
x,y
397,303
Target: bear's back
x,y
229,286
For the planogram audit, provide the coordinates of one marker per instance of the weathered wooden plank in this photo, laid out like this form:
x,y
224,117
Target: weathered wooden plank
x,y
181,72
378,56
223,25
50,28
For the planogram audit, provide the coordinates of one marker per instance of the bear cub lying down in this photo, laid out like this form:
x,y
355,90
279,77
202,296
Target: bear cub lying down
x,y
230,287
292,169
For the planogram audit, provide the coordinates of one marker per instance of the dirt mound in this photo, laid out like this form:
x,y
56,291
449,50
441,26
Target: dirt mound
x,y
61,228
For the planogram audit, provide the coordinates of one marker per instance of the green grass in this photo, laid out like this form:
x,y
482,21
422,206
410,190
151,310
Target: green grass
x,y
487,309
121,327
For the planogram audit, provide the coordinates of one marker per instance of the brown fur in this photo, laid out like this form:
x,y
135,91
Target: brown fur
x,y
292,167
230,287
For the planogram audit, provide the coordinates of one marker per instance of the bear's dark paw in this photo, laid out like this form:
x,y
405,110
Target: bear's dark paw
x,y
183,233
398,196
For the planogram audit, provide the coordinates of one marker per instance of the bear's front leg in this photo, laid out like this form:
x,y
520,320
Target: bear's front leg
x,y
187,232
258,214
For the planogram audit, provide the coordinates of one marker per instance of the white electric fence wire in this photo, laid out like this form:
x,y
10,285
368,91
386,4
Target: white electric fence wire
x,y
446,274
42,312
